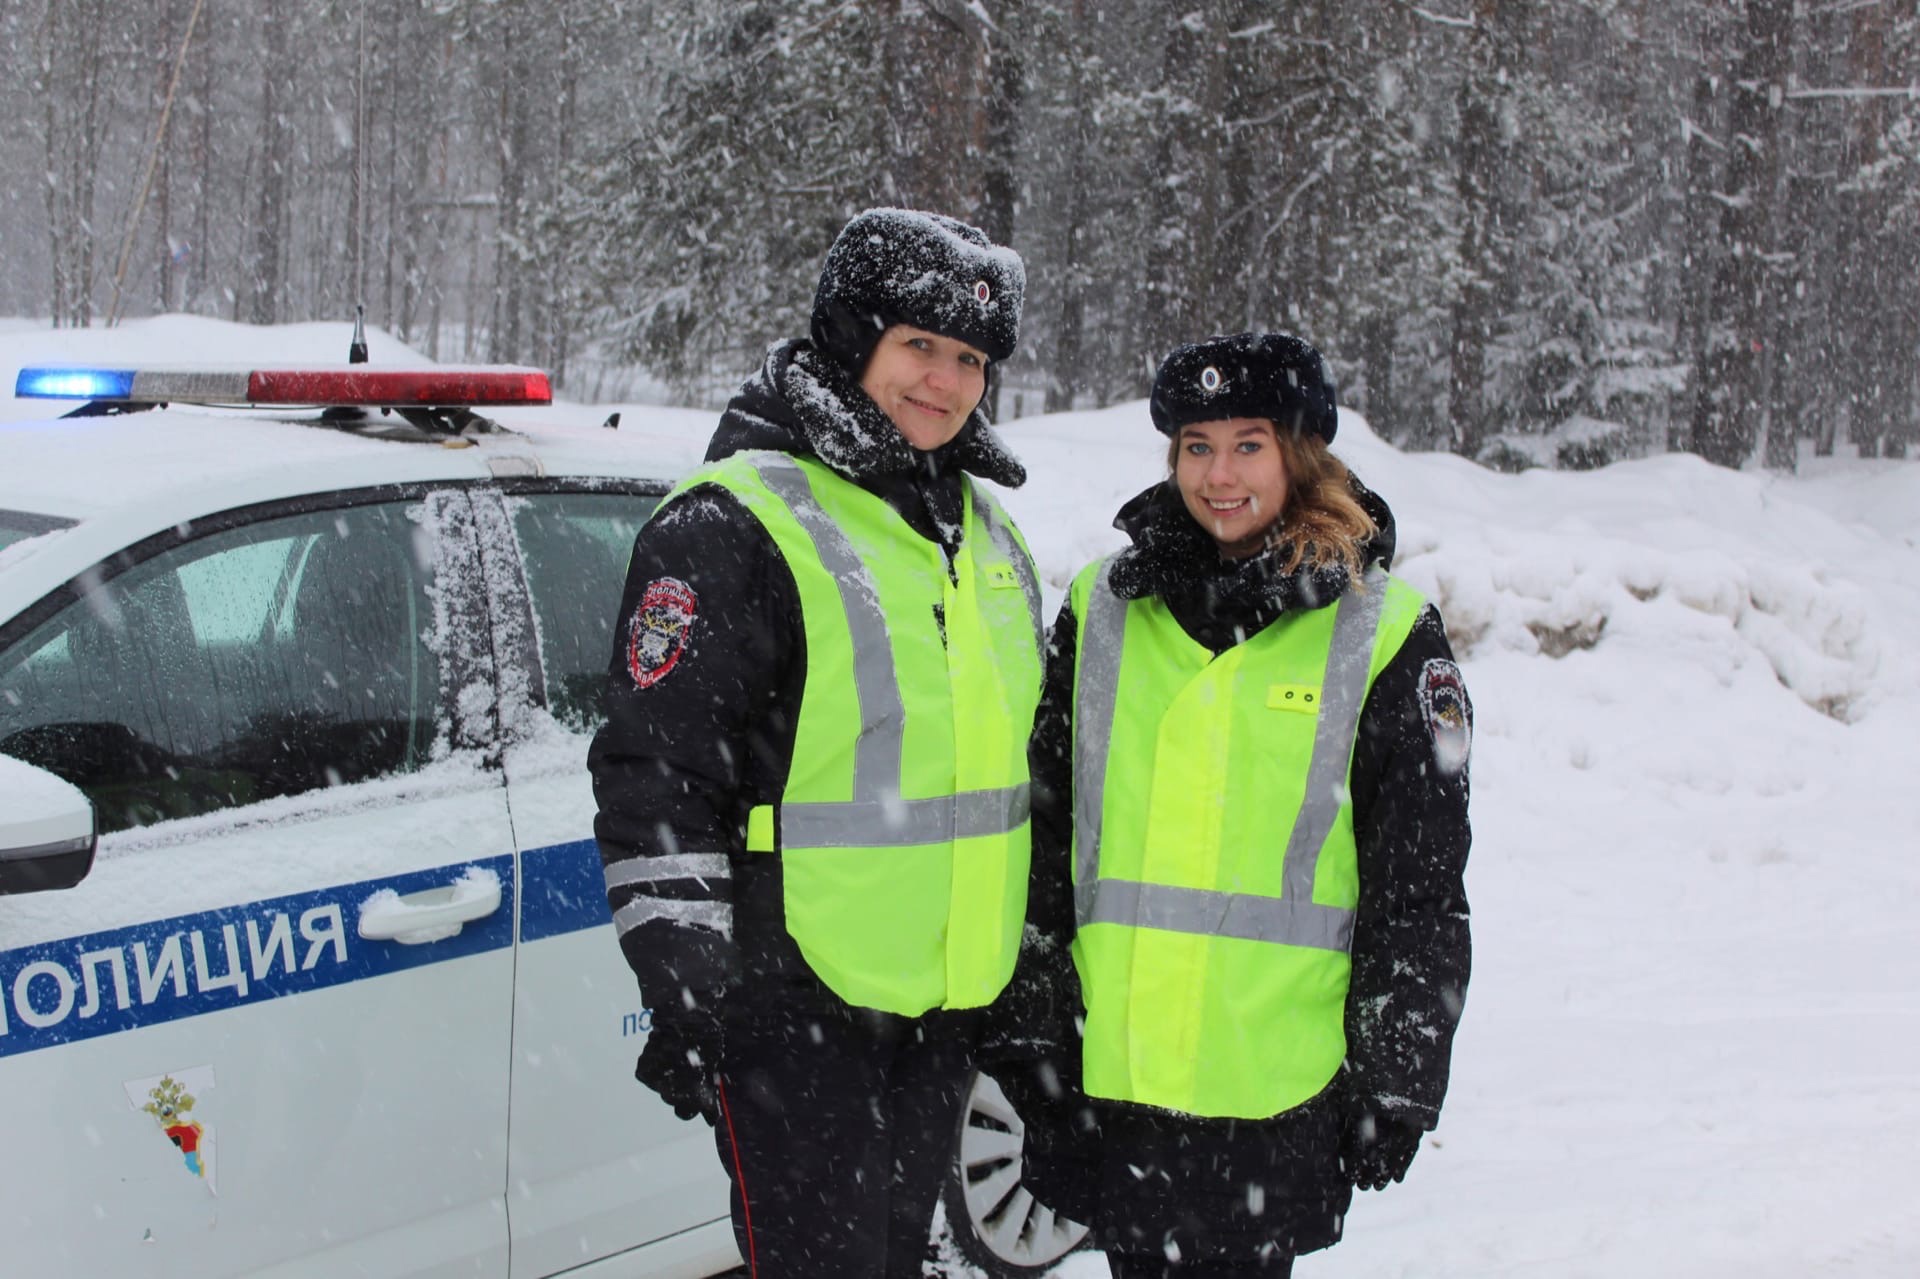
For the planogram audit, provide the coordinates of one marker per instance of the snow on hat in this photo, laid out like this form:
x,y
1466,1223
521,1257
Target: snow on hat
x,y
898,266
1271,375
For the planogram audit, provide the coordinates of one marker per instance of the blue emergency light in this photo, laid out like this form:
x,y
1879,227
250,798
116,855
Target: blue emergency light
x,y
73,384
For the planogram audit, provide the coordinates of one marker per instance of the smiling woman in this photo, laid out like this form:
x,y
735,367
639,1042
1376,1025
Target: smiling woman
x,y
1233,478
1250,802
827,665
928,385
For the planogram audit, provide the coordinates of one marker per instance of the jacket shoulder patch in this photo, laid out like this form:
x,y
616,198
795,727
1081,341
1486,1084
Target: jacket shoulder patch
x,y
657,632
1448,714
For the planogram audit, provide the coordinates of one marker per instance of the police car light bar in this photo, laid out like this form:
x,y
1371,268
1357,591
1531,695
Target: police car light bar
x,y
435,386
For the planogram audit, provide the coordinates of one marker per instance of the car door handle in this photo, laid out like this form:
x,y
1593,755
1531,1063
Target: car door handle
x,y
432,915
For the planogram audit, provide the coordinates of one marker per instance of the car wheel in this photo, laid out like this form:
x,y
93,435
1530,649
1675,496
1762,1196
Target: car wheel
x,y
996,1223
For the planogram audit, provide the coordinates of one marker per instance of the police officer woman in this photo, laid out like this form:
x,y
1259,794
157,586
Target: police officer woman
x,y
812,781
1250,808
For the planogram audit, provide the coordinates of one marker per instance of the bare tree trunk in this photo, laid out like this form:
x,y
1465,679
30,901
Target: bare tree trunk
x,y
1377,334
357,186
1005,137
200,262
1482,269
54,191
515,136
937,91
268,251
552,350
71,85
1873,313
1067,371
1731,404
87,166
1700,256
163,175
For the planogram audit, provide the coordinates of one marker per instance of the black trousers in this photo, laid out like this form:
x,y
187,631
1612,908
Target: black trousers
x,y
837,1128
1156,1266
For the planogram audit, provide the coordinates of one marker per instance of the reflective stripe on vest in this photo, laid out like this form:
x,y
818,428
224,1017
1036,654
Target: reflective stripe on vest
x,y
904,826
1293,920
1215,869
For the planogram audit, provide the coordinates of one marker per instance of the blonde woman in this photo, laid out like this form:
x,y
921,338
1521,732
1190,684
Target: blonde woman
x,y
1250,816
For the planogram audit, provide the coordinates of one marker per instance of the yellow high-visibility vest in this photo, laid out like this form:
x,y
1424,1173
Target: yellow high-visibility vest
x,y
1214,867
903,829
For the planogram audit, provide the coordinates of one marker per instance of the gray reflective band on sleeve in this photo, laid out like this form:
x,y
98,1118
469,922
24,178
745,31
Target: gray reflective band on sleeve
x,y
898,823
652,870
876,683
1343,691
1002,534
1213,914
1098,664
717,916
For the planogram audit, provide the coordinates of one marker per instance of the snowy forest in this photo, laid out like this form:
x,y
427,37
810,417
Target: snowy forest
x,y
1532,232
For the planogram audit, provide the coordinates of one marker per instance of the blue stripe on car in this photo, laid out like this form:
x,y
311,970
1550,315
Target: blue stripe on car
x,y
103,983
565,890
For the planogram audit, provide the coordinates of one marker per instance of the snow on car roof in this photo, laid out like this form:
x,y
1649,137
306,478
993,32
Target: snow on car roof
x,y
125,477
81,468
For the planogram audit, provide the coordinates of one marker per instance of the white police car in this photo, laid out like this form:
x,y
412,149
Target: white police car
x,y
335,993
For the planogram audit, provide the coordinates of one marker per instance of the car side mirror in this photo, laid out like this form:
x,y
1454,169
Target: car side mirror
x,y
47,833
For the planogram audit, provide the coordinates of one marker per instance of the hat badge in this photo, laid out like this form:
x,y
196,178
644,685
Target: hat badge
x,y
982,292
1209,379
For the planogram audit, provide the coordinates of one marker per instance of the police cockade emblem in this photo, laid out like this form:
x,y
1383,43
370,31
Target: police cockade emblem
x,y
1209,379
982,292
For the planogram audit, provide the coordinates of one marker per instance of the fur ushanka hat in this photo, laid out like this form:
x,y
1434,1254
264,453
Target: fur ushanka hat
x,y
898,266
1271,375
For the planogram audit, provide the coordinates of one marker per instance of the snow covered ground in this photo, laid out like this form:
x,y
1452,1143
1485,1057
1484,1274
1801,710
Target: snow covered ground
x,y
1692,1043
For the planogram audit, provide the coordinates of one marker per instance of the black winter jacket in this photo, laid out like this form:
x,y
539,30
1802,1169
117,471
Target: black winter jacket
x,y
698,734
1227,1188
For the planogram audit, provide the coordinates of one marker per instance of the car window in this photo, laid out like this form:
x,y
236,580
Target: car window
x,y
267,660
575,547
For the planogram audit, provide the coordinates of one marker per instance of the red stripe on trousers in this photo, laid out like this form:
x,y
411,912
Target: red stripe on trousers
x,y
739,1178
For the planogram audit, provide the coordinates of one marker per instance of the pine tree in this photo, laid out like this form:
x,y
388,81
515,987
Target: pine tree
x,y
702,233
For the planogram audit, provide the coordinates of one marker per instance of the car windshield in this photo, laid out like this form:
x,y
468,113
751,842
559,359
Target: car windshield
x,y
18,526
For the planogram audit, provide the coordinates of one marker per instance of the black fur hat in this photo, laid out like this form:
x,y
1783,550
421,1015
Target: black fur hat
x,y
898,266
1271,375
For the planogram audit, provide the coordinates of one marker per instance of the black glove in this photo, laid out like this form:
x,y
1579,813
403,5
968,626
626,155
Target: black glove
x,y
681,1063
1377,1149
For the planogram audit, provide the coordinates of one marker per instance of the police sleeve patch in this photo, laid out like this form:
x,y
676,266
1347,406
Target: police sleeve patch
x,y
657,634
1448,714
